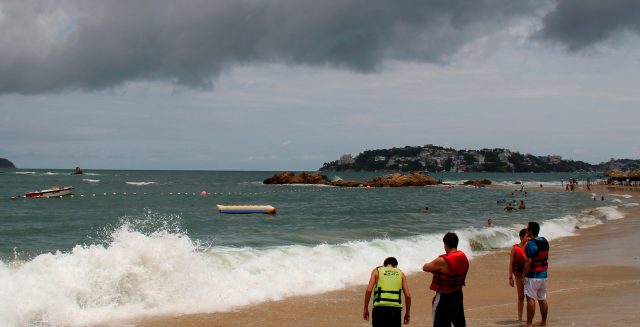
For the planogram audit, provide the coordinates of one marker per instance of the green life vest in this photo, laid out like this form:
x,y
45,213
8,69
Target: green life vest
x,y
389,288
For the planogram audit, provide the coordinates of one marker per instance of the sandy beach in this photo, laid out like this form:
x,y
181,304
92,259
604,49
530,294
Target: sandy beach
x,y
594,280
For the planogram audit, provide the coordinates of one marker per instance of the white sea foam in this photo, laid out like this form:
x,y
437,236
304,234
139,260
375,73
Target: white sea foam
x,y
91,180
151,270
609,213
25,172
50,173
626,196
140,183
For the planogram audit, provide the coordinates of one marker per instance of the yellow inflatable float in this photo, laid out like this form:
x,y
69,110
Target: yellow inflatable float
x,y
246,209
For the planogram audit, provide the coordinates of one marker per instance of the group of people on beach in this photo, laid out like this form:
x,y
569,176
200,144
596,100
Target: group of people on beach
x,y
528,266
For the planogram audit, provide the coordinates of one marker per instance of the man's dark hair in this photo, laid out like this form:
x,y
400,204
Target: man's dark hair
x,y
533,228
451,240
523,232
390,261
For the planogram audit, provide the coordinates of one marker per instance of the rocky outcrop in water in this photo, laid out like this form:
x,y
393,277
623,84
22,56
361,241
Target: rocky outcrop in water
x,y
288,177
391,180
400,180
478,182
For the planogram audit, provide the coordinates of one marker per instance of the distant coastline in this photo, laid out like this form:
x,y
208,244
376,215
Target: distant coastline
x,y
432,158
6,164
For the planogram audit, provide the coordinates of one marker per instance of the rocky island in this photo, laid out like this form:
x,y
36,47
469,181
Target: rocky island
x,y
390,180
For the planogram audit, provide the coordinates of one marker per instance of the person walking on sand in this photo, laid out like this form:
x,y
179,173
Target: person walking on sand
x,y
387,283
449,272
517,259
535,270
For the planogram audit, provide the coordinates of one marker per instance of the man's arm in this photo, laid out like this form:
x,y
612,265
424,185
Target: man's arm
x,y
437,265
367,294
529,252
527,265
511,266
407,299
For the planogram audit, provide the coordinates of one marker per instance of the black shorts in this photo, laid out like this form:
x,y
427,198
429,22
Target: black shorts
x,y
450,310
386,317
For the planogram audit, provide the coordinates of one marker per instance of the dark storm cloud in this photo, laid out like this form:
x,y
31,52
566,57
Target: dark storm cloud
x,y
579,24
101,44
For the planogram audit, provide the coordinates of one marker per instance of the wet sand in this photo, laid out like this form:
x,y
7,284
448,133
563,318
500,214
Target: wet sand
x,y
594,280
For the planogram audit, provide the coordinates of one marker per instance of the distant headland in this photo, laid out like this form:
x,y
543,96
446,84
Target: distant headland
x,y
431,158
6,164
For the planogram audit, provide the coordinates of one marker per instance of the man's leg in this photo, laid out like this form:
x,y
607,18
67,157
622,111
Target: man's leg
x,y
442,317
544,308
458,319
531,310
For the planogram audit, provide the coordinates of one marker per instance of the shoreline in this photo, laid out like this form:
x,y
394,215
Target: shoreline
x,y
585,277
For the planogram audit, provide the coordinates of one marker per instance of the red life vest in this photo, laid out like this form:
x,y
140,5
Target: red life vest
x,y
453,279
519,259
540,261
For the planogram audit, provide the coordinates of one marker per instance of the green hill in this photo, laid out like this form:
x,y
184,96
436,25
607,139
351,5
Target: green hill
x,y
437,159
6,164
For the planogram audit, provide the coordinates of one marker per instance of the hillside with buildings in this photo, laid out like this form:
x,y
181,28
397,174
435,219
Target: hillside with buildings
x,y
433,158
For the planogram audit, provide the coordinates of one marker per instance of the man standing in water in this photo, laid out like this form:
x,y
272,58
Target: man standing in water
x,y
389,283
535,270
449,272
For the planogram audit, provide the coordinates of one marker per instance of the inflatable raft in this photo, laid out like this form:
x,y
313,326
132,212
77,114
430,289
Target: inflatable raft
x,y
246,209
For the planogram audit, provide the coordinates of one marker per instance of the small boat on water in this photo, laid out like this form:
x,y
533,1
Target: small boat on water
x,y
50,193
246,209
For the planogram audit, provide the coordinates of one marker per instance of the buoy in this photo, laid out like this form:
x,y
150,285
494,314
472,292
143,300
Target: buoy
x,y
203,193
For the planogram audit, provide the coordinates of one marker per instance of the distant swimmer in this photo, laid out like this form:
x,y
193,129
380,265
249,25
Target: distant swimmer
x,y
522,206
425,211
490,223
509,207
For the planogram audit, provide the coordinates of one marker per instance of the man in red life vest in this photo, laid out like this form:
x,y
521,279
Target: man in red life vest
x,y
387,283
535,272
449,272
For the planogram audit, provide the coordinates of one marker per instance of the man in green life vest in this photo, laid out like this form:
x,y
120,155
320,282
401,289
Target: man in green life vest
x,y
387,283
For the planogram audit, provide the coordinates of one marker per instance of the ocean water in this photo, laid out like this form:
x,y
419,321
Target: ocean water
x,y
135,243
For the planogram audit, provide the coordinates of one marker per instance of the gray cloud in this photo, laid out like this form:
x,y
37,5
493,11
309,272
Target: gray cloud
x,y
53,46
579,24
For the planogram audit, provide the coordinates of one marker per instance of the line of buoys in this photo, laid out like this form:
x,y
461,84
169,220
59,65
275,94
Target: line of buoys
x,y
201,194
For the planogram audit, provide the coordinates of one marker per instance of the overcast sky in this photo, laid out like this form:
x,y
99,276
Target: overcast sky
x,y
290,84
